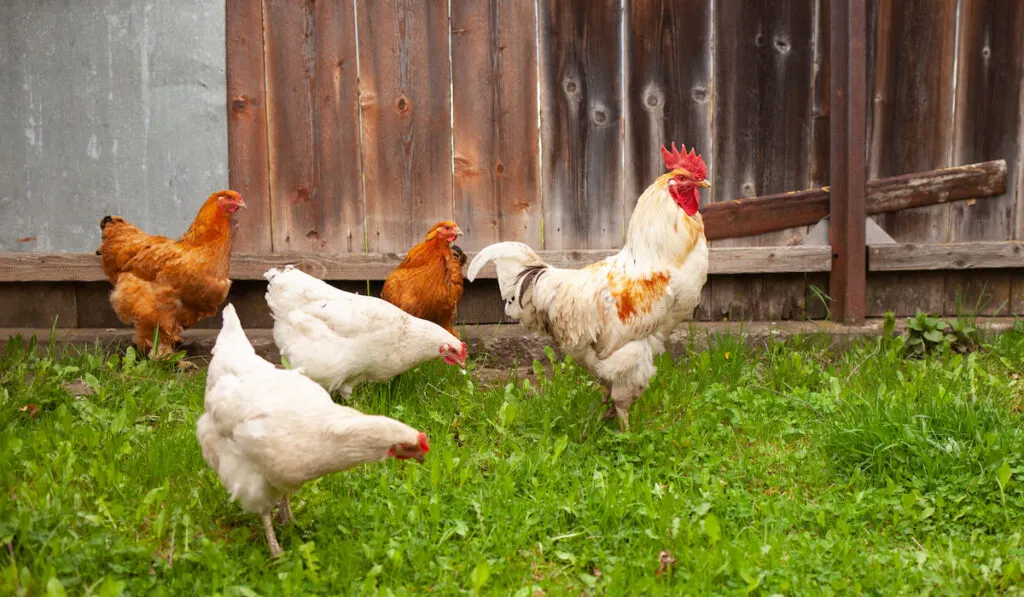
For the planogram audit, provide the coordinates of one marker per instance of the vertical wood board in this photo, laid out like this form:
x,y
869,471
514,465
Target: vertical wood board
x,y
767,58
581,129
912,86
247,124
494,92
290,51
669,77
990,68
406,121
337,171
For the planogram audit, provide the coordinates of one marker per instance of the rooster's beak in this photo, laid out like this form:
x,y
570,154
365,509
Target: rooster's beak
x,y
458,232
242,204
704,184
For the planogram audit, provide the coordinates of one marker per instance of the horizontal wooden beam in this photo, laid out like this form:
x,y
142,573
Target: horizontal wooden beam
x,y
77,267
946,256
746,217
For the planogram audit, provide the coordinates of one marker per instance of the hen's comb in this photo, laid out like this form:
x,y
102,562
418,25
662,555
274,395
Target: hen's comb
x,y
691,162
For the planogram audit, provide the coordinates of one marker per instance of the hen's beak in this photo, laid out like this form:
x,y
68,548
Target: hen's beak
x,y
458,232
419,457
704,184
242,204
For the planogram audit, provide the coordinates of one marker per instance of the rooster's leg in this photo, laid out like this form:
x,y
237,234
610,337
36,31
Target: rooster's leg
x,y
268,527
622,399
284,511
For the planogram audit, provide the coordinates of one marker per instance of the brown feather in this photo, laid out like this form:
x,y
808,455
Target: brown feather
x,y
166,284
428,283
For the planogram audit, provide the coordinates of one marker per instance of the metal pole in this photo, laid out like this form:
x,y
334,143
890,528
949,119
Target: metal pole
x,y
847,172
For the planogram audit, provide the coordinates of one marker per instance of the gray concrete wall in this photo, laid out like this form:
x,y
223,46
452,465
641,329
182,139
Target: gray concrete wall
x,y
108,106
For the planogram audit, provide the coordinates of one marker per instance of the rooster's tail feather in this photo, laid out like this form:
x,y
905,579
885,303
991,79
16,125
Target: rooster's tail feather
x,y
512,260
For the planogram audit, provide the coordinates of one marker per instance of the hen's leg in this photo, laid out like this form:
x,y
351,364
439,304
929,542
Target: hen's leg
x,y
284,511
268,528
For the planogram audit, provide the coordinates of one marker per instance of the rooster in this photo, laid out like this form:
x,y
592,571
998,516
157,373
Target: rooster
x,y
342,339
165,284
267,431
615,315
428,283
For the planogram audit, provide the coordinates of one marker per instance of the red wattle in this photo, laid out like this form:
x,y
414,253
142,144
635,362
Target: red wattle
x,y
686,198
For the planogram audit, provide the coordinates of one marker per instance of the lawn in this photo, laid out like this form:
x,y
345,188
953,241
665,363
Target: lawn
x,y
790,469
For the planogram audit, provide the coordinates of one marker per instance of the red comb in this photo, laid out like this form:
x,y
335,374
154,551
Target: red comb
x,y
424,444
691,162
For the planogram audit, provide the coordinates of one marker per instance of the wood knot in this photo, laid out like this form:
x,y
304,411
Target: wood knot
x,y
782,45
402,104
652,100
240,103
599,116
570,86
700,95
499,167
759,40
302,195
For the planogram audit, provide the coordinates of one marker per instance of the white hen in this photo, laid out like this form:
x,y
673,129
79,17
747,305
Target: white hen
x,y
341,339
267,431
615,315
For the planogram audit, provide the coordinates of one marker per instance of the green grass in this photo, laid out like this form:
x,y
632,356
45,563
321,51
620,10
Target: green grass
x,y
787,470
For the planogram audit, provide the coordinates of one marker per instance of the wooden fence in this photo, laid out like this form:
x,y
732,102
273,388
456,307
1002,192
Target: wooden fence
x,y
358,125
354,126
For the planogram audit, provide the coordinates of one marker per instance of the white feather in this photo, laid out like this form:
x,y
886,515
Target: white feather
x,y
266,431
580,309
341,339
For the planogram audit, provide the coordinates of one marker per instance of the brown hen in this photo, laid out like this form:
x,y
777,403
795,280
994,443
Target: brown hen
x,y
428,283
166,284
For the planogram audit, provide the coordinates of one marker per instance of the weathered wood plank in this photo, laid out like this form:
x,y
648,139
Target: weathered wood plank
x,y
818,131
337,173
92,301
990,70
248,171
946,256
82,267
406,132
669,78
494,90
580,99
970,294
37,305
289,36
904,293
742,217
758,297
912,85
1017,292
764,51
913,91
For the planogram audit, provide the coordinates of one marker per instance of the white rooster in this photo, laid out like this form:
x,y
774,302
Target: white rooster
x,y
341,339
267,431
615,315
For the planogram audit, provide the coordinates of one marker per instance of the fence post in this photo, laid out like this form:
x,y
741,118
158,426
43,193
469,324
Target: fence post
x,y
847,173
